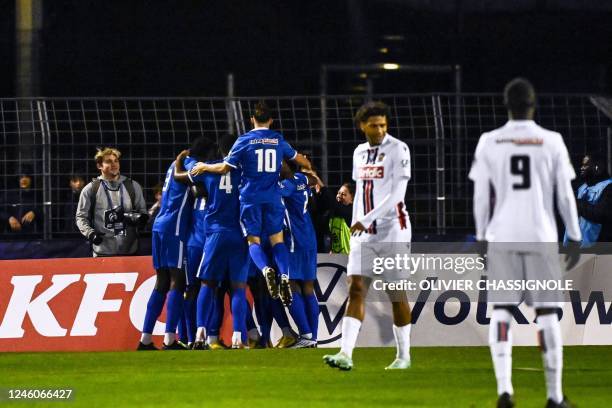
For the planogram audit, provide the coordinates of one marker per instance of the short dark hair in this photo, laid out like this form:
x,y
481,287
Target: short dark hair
x,y
225,144
350,187
261,112
201,148
373,108
599,163
519,96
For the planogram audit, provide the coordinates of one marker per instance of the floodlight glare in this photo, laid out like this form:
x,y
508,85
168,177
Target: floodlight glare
x,y
389,66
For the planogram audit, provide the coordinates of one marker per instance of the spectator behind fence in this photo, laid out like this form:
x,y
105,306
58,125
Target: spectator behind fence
x,y
71,201
111,208
154,209
23,210
338,211
594,202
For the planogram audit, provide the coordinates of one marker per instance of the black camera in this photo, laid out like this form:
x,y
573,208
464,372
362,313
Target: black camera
x,y
136,219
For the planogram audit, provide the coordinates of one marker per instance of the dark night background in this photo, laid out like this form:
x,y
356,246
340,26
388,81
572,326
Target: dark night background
x,y
149,48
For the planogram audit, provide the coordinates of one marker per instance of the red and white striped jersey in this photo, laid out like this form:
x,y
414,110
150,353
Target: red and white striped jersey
x,y
380,173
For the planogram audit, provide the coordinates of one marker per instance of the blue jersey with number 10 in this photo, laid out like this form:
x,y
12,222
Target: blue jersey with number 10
x,y
260,153
295,192
222,204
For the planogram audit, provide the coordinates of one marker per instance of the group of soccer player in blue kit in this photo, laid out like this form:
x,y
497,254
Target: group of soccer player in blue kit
x,y
240,208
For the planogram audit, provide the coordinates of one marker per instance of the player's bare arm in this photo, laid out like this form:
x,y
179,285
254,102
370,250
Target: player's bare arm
x,y
217,168
313,178
302,161
180,174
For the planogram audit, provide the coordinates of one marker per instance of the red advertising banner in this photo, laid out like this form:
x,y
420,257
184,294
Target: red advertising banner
x,y
87,304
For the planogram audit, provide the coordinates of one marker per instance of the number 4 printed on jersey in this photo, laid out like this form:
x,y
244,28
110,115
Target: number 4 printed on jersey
x,y
226,183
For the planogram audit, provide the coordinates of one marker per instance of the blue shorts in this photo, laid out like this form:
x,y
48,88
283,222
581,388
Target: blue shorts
x,y
194,256
167,251
303,264
265,217
226,256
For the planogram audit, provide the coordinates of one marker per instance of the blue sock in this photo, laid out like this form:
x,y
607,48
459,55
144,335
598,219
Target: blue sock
x,y
174,310
239,310
154,309
278,311
205,305
250,322
281,257
190,319
214,323
264,318
312,311
182,325
298,313
258,256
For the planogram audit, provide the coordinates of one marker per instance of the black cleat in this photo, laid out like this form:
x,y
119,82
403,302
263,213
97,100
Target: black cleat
x,y
199,345
505,401
563,404
174,346
146,347
270,277
285,291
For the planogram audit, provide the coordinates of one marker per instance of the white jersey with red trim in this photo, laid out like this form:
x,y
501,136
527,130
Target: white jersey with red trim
x,y
381,173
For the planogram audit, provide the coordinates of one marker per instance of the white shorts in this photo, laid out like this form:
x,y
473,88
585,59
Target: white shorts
x,y
541,265
387,243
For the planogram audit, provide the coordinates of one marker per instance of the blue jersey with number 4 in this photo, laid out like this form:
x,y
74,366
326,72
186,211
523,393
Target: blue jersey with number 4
x,y
222,204
295,192
260,153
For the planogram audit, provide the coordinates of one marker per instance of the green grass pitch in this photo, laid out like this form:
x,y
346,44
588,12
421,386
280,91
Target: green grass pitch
x,y
439,377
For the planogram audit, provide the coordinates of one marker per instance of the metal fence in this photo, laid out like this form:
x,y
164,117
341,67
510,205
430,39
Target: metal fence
x,y
52,139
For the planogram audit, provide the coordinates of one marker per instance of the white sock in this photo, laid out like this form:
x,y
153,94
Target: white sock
x,y
237,338
169,338
201,334
253,334
402,341
551,345
307,336
287,331
146,338
350,331
500,343
212,339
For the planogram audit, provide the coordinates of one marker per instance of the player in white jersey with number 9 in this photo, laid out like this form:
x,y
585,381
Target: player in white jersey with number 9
x,y
525,165
380,228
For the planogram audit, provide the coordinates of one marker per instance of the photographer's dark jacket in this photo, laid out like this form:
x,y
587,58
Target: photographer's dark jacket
x,y
115,243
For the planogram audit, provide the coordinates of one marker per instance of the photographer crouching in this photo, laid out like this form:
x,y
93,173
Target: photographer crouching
x,y
111,208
